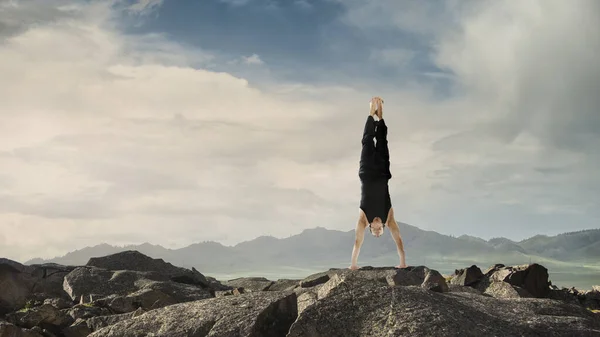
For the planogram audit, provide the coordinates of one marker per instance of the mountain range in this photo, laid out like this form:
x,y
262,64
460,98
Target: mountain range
x,y
319,248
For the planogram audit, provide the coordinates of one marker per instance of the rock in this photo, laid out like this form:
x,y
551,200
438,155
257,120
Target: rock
x,y
87,311
59,303
596,288
434,281
216,285
77,329
563,295
250,283
136,261
99,322
49,279
19,267
264,314
410,276
284,284
11,330
177,291
43,316
493,269
533,278
305,300
86,281
222,293
463,289
315,279
16,287
468,276
499,289
359,307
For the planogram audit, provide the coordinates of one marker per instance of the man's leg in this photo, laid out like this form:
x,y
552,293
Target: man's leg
x,y
361,226
367,155
382,151
395,231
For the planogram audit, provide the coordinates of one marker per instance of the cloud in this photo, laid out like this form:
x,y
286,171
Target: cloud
x,y
235,2
145,6
493,130
253,59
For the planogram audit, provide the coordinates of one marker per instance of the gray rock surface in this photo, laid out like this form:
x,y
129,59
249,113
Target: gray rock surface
x,y
250,283
87,311
358,307
85,281
533,278
500,289
59,303
15,287
136,261
284,284
11,330
434,281
77,329
49,279
99,322
467,277
256,314
45,315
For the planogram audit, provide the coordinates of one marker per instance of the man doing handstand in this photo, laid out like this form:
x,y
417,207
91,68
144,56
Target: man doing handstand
x,y
376,211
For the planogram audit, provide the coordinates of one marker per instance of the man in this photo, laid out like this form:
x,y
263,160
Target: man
x,y
376,211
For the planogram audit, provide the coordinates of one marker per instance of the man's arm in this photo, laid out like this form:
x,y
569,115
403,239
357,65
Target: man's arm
x,y
361,226
395,231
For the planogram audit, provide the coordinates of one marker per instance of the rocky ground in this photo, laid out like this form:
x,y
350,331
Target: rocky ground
x,y
130,294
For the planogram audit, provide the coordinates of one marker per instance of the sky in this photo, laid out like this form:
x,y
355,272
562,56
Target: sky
x,y
181,121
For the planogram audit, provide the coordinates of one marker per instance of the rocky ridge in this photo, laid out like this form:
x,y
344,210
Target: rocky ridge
x,y
130,294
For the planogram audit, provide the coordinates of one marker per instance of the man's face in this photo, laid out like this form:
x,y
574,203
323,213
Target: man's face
x,y
377,227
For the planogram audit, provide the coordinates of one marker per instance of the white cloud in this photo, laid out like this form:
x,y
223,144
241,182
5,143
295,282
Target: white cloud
x,y
396,57
107,137
253,59
145,6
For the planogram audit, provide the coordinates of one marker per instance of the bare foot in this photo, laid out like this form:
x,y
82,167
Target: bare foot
x,y
353,267
401,266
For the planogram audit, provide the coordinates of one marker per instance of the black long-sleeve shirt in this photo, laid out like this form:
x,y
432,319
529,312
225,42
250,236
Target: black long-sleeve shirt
x,y
374,171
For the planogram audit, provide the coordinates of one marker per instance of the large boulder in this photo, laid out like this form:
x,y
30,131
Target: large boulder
x,y
533,278
49,279
410,276
354,306
86,281
136,261
467,277
153,295
124,291
499,289
16,287
250,283
256,314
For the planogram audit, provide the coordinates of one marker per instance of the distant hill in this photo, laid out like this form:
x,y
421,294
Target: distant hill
x,y
580,245
320,247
